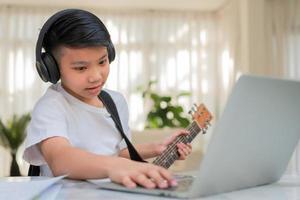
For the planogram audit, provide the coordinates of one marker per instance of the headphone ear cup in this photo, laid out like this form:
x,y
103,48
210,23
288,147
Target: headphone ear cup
x,y
51,66
42,70
111,52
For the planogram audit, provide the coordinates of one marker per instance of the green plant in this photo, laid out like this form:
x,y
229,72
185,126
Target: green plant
x,y
12,135
164,112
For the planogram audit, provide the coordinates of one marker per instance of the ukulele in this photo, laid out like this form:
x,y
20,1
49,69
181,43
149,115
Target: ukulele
x,y
201,119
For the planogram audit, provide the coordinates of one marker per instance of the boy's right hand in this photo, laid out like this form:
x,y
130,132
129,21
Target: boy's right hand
x,y
131,173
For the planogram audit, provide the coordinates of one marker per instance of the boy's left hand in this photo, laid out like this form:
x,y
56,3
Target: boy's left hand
x,y
183,149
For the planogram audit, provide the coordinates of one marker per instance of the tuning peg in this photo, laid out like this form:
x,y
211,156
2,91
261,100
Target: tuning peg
x,y
191,112
208,123
195,106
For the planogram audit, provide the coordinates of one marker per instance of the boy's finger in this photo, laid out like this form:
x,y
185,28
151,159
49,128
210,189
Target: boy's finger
x,y
127,182
182,154
168,177
143,180
157,179
182,131
183,150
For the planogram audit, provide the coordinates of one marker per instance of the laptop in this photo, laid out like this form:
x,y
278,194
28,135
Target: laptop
x,y
251,144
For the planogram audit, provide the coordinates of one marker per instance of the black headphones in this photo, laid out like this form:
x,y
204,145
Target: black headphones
x,y
45,63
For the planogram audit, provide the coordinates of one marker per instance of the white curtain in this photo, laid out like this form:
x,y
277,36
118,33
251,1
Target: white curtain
x,y
283,20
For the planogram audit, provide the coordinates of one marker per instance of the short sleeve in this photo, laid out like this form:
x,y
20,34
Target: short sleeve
x,y
48,119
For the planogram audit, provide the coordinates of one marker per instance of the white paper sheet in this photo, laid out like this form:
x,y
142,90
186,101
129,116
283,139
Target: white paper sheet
x,y
27,188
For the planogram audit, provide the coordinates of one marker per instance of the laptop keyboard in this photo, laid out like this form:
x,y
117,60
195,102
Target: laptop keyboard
x,y
184,183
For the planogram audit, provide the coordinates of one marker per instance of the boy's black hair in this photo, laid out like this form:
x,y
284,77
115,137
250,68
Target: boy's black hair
x,y
76,29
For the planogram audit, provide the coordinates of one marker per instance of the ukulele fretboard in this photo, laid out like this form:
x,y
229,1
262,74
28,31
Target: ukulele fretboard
x,y
168,156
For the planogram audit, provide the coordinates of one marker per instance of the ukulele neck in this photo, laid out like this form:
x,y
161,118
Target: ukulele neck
x,y
168,156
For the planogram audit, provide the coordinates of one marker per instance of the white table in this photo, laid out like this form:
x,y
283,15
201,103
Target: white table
x,y
287,188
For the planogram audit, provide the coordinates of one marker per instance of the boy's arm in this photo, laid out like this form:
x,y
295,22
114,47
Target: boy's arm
x,y
153,149
63,158
146,150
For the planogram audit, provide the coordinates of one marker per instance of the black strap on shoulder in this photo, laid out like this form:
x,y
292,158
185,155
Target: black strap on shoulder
x,y
112,109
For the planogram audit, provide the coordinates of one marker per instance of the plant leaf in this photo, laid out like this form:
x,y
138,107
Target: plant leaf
x,y
3,135
183,94
14,132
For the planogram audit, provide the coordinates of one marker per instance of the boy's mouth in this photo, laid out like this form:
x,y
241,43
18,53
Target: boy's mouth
x,y
95,89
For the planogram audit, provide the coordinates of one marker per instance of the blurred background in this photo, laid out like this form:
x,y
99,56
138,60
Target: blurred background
x,y
194,49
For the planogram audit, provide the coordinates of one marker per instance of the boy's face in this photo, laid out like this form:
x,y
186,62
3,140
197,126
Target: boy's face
x,y
83,71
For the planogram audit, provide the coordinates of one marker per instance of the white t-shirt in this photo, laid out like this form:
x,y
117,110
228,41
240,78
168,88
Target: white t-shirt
x,y
87,127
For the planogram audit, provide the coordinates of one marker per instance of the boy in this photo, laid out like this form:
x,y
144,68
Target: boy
x,y
71,132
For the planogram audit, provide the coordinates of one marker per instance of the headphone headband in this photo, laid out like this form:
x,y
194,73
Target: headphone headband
x,y
45,29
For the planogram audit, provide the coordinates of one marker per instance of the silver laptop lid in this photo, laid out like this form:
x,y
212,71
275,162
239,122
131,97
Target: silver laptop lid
x,y
255,137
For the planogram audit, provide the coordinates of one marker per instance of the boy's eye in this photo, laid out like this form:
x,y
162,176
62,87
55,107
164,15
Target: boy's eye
x,y
102,62
80,68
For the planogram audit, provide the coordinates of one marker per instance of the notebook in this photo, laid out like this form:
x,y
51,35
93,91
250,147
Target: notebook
x,y
251,144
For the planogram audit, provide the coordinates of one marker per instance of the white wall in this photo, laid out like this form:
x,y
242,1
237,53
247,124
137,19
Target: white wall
x,y
203,5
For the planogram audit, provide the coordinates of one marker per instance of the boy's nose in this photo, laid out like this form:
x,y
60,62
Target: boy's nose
x,y
94,75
